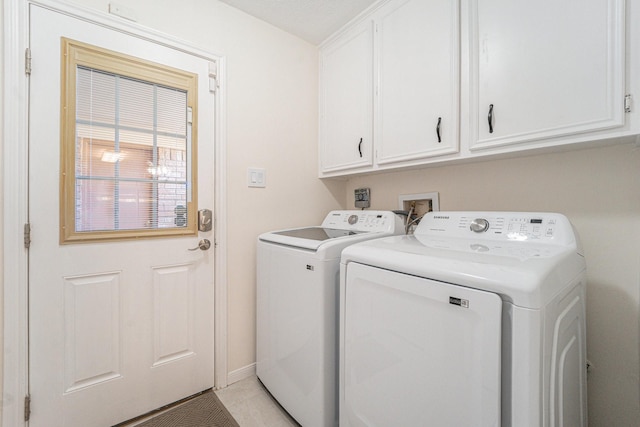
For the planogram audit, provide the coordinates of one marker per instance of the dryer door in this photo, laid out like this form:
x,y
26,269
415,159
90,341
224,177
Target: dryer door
x,y
417,352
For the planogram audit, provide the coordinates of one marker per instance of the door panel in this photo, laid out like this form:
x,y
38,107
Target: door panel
x,y
173,326
91,329
116,328
417,352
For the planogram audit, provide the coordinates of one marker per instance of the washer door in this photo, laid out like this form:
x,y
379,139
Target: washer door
x,y
417,352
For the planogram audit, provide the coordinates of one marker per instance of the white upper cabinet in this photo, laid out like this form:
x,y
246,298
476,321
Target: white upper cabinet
x,y
346,100
391,98
415,82
418,83
544,69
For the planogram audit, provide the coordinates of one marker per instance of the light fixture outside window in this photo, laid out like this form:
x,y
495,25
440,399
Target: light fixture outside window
x,y
111,156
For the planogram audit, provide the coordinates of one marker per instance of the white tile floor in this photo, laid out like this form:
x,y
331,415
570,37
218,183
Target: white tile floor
x,y
252,406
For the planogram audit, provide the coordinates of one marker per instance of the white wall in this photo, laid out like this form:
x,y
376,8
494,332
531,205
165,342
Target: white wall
x,y
1,199
599,190
272,87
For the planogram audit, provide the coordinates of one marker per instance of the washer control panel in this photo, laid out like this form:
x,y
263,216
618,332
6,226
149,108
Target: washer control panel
x,y
509,226
363,221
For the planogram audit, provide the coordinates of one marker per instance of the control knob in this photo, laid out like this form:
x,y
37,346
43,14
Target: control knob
x,y
353,219
479,225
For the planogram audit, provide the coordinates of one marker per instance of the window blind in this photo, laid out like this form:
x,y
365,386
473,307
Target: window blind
x,y
131,154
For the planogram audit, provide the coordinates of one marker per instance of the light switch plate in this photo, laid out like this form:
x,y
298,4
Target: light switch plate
x,y
256,178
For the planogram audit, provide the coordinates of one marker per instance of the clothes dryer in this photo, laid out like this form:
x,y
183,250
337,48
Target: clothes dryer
x,y
476,319
297,297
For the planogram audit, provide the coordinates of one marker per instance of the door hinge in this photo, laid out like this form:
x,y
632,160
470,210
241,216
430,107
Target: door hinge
x,y
27,407
213,76
27,61
27,236
628,103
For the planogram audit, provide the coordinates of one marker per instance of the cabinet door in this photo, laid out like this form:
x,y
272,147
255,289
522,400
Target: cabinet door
x,y
346,101
418,93
545,69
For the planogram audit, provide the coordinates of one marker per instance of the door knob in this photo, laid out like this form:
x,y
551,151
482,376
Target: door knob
x,y
203,245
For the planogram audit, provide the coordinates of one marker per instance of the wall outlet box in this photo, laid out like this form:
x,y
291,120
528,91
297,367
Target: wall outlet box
x,y
363,197
420,203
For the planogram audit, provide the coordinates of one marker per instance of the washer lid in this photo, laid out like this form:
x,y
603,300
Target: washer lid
x,y
339,228
316,233
307,237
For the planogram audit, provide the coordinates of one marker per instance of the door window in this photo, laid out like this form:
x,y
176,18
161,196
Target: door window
x,y
128,138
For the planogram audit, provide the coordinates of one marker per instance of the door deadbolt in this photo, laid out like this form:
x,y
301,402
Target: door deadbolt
x,y
205,220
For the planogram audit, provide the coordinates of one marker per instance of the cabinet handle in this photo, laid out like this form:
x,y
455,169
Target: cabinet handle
x,y
491,118
360,147
438,129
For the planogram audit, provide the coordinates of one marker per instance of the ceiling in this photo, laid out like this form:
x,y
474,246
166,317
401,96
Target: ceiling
x,y
311,20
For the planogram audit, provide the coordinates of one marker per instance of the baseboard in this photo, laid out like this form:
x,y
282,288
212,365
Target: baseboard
x,y
242,373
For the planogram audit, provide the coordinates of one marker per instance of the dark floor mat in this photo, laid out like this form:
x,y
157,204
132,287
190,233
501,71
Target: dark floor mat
x,y
205,410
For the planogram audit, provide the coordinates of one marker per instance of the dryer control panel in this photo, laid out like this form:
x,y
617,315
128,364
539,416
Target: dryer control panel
x,y
549,228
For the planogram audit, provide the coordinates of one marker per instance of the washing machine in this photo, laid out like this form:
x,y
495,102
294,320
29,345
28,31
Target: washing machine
x,y
478,319
297,315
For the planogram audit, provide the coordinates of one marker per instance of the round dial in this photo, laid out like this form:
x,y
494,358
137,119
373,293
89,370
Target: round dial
x,y
353,219
479,225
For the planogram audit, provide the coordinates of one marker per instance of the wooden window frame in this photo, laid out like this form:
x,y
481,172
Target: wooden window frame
x,y
76,54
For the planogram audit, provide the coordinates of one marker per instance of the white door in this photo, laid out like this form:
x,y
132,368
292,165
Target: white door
x,y
417,352
116,328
